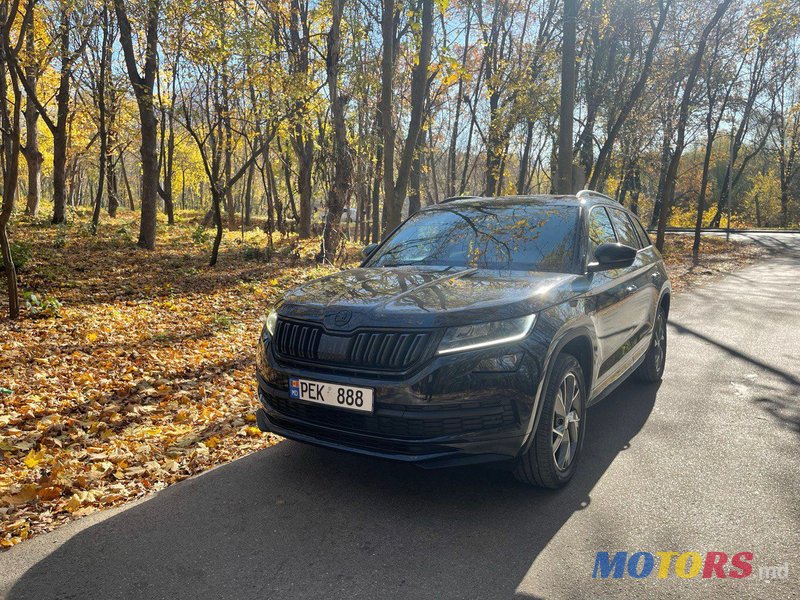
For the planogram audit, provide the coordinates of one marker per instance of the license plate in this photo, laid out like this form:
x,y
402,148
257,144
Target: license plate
x,y
331,394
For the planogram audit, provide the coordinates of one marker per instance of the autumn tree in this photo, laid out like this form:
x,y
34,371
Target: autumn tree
x,y
342,154
143,87
70,31
301,133
11,25
686,98
30,150
395,184
565,184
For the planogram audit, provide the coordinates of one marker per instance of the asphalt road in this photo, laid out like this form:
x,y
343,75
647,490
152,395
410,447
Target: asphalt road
x,y
707,461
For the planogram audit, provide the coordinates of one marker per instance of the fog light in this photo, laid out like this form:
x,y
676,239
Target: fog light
x,y
507,362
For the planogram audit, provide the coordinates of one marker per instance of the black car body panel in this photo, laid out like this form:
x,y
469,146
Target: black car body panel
x,y
379,327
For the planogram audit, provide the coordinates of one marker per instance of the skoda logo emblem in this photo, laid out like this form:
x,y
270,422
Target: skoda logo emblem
x,y
342,318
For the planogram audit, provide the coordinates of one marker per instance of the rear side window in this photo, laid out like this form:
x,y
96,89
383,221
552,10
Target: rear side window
x,y
600,230
625,230
642,232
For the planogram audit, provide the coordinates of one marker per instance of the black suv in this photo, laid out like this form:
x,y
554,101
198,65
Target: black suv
x,y
479,330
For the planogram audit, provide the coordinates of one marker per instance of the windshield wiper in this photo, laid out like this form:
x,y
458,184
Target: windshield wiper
x,y
403,263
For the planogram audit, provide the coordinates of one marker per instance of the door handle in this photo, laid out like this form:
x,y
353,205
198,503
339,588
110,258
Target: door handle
x,y
631,288
656,276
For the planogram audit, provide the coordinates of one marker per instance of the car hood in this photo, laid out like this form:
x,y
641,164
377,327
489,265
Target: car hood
x,y
425,297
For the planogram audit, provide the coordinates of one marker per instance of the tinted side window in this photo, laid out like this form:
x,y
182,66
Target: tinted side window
x,y
642,232
600,230
625,231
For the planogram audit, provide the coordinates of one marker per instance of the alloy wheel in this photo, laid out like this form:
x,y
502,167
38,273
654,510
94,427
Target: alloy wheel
x,y
566,421
660,341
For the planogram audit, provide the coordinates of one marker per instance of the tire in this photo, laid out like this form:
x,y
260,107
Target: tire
x,y
548,463
652,369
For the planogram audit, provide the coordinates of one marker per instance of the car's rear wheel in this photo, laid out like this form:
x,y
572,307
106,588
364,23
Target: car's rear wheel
x,y
652,369
552,456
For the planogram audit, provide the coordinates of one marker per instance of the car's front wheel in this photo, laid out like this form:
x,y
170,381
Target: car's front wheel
x,y
652,368
552,456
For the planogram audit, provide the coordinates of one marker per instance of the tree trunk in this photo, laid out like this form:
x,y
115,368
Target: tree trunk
x,y
414,183
143,86
248,196
112,179
169,204
711,131
183,188
149,153
666,154
216,199
375,198
112,186
452,151
342,155
60,134
59,176
495,146
33,157
305,165
524,163
98,199
395,189
566,112
10,121
127,185
274,202
100,95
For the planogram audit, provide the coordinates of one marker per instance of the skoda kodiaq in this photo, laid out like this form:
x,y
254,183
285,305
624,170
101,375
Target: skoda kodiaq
x,y
479,330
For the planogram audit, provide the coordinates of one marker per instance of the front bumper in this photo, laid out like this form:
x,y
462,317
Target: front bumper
x,y
445,414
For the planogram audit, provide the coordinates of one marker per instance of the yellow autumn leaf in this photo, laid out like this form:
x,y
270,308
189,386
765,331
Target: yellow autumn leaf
x,y
73,504
91,337
33,458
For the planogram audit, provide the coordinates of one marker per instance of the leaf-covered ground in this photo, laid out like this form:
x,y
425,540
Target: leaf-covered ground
x,y
144,375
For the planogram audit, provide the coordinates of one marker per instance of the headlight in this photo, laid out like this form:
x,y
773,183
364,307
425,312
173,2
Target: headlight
x,y
271,322
470,337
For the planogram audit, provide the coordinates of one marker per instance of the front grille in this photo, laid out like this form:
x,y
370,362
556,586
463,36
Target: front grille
x,y
297,340
407,422
372,349
388,350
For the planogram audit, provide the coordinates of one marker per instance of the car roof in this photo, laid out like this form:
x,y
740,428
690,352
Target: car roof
x,y
583,198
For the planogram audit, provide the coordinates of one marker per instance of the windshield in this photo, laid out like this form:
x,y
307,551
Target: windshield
x,y
514,237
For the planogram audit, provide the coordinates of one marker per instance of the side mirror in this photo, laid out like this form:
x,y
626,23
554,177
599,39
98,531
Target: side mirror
x,y
612,256
368,250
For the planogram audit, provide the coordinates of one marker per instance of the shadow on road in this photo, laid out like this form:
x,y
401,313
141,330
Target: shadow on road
x,y
787,377
779,401
775,244
298,522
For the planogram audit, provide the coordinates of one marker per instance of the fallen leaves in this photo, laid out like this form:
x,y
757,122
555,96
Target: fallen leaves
x,y
717,257
144,379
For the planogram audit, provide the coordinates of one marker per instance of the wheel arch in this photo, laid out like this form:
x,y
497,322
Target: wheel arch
x,y
581,348
577,342
664,302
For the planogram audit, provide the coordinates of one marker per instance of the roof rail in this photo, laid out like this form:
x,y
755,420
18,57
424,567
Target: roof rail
x,y
590,193
454,198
